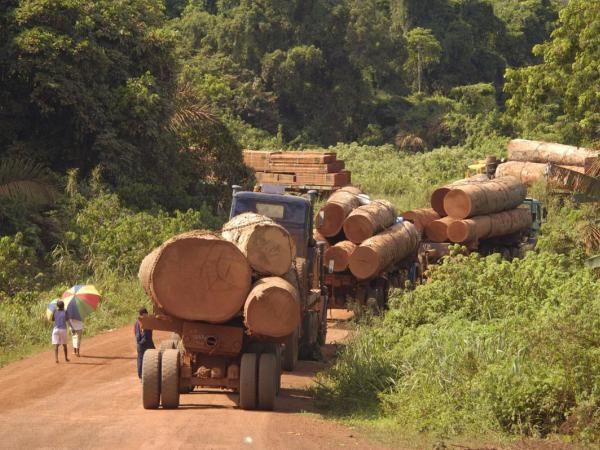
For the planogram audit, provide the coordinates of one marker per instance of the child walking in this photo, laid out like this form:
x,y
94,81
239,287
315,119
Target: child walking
x,y
77,333
59,333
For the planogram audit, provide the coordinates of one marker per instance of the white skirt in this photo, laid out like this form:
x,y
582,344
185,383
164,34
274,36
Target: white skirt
x,y
59,336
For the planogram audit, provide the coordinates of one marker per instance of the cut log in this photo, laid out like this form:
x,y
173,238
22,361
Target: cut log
x,y
268,246
437,196
488,197
549,152
368,220
337,257
492,225
528,172
421,217
381,251
330,218
272,308
437,230
197,276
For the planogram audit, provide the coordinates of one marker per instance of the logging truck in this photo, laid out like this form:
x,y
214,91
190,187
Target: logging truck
x,y
295,214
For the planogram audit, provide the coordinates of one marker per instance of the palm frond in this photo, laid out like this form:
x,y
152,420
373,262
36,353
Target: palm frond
x,y
189,110
22,179
594,169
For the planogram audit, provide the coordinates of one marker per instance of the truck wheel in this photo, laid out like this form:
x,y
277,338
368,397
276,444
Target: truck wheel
x,y
248,383
290,353
267,381
151,379
167,344
170,379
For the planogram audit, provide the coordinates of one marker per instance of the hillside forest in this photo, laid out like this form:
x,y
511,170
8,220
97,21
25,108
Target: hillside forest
x,y
122,123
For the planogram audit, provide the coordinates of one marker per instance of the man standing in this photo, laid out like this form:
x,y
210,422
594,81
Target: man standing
x,y
143,339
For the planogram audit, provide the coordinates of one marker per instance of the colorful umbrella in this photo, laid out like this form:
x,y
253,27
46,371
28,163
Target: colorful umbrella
x,y
81,300
51,308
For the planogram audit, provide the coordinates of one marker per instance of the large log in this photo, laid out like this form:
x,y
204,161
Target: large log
x,y
368,220
437,196
337,257
528,172
381,251
437,230
492,225
330,218
488,197
549,152
197,276
421,217
272,308
268,246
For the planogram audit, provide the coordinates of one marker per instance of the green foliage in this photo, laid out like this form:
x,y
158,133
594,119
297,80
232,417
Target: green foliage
x,y
557,99
407,180
27,181
485,345
424,52
19,266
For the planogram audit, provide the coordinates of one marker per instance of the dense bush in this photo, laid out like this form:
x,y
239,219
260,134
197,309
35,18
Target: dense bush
x,y
484,345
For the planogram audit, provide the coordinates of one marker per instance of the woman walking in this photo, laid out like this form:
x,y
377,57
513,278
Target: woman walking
x,y
59,333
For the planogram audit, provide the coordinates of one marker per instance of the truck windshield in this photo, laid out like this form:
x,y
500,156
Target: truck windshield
x,y
270,210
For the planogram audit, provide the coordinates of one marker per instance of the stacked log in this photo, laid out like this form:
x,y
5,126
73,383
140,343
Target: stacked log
x,y
437,230
338,256
272,308
527,160
492,196
549,152
330,218
421,217
367,220
437,197
197,276
269,248
492,225
381,251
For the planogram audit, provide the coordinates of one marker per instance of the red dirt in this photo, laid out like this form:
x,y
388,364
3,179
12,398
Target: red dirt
x,y
95,402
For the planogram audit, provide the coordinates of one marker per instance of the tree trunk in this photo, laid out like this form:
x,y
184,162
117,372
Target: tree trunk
x,y
368,220
492,225
548,152
197,276
437,230
421,217
330,218
381,251
272,308
268,246
337,257
437,197
528,172
488,197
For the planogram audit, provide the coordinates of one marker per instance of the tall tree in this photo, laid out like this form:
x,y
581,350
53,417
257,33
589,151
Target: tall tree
x,y
424,52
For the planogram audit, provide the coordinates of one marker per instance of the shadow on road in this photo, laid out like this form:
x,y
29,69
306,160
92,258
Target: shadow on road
x,y
108,357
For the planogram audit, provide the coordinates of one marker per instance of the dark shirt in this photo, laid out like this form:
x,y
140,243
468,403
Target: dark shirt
x,y
143,338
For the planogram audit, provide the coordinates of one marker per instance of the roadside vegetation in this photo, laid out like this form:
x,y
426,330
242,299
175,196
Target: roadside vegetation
x,y
122,123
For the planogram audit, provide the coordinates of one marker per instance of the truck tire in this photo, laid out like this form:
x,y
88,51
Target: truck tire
x,y
267,381
170,379
248,381
290,352
151,366
167,344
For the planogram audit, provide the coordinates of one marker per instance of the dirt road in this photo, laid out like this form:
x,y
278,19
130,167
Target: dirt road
x,y
94,402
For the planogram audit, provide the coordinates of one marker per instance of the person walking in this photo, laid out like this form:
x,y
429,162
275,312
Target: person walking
x,y
59,333
77,334
143,339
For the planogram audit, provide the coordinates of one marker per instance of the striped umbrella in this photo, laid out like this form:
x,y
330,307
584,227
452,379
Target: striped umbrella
x,y
51,308
81,300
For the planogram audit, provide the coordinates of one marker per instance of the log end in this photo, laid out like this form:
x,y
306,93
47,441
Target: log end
x,y
437,200
364,263
437,231
459,232
330,219
271,250
358,228
457,204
